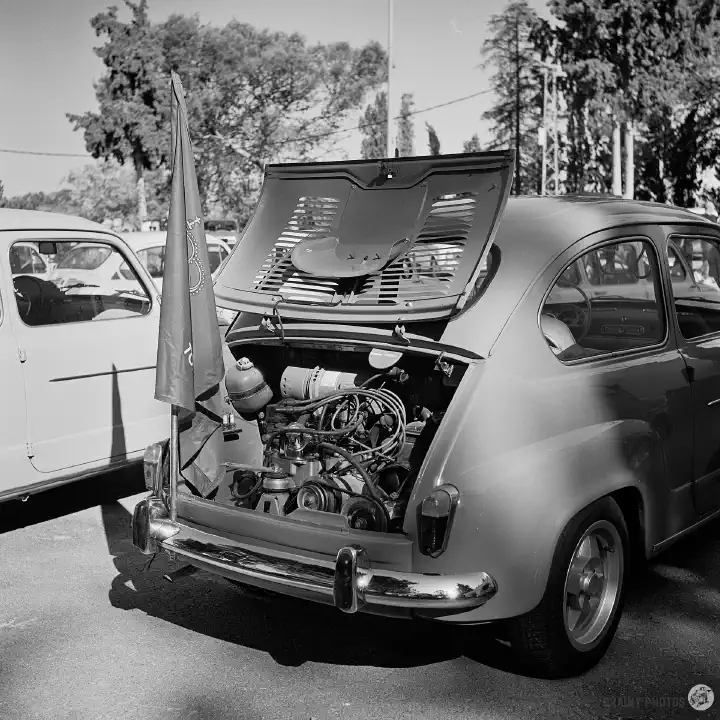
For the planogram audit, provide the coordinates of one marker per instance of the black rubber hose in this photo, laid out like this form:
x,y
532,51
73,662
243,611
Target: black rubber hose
x,y
373,489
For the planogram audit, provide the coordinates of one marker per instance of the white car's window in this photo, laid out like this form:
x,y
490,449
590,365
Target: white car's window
x,y
25,260
216,255
80,288
85,257
697,299
606,301
154,260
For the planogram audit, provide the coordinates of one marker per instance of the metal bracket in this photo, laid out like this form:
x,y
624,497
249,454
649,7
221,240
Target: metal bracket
x,y
399,332
444,366
267,324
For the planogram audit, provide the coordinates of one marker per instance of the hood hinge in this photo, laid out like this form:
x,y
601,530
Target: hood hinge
x,y
399,332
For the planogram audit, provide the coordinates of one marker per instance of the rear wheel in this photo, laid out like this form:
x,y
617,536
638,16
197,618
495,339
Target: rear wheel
x,y
575,622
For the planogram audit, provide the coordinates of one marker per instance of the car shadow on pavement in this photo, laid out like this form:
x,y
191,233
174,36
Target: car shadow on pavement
x,y
293,631
71,498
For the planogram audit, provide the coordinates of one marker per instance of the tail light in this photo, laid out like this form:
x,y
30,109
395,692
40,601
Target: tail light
x,y
152,466
435,517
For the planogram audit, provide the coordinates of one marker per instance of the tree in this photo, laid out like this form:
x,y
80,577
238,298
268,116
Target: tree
x,y
131,125
2,192
472,145
517,82
649,64
373,126
406,128
256,96
433,140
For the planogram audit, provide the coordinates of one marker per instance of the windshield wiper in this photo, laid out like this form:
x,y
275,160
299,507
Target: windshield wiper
x,y
138,293
77,285
697,299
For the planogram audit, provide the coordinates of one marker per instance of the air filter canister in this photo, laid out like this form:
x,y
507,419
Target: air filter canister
x,y
304,384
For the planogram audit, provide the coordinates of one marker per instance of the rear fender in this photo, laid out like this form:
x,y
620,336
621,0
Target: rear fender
x,y
514,506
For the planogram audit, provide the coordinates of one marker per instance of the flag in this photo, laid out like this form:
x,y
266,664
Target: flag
x,y
190,367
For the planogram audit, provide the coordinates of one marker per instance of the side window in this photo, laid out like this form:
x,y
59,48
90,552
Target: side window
x,y
677,271
85,285
215,257
606,301
697,297
154,260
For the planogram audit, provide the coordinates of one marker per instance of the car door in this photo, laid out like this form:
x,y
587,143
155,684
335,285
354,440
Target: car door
x,y
15,470
88,361
621,345
697,316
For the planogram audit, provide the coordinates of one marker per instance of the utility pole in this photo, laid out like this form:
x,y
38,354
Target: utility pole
x,y
548,135
390,124
518,182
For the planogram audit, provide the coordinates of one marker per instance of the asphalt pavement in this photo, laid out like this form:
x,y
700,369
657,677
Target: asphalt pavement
x,y
85,633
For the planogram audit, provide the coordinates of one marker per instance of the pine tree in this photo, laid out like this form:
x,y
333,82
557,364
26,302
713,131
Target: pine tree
x,y
472,145
373,126
517,82
433,140
405,127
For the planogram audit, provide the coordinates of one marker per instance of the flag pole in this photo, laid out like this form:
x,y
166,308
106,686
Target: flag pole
x,y
174,460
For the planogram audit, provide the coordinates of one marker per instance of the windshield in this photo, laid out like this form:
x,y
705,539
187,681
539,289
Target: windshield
x,y
220,226
85,258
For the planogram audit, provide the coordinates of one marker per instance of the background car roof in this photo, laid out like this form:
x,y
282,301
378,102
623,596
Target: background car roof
x,y
11,219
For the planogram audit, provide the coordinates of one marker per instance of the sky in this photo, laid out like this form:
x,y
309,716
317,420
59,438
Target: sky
x,y
48,67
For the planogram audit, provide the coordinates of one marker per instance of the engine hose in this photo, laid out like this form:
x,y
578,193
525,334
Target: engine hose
x,y
308,431
245,496
374,490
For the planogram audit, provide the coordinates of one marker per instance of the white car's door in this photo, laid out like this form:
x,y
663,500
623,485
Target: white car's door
x,y
89,367
15,469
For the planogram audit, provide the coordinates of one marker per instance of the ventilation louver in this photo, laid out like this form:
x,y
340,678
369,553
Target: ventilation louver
x,y
425,271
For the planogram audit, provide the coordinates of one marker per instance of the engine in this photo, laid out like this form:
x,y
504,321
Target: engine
x,y
335,444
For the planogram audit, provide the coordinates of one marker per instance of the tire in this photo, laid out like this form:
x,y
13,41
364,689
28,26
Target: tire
x,y
542,640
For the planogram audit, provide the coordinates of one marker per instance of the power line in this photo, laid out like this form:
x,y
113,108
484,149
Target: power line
x,y
32,152
318,136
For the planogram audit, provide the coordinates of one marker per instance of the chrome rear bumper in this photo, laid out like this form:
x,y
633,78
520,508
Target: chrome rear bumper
x,y
349,581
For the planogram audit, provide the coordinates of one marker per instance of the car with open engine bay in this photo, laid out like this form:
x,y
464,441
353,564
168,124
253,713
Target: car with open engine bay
x,y
76,369
448,404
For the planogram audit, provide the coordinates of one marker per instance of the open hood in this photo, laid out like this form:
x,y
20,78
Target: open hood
x,y
368,241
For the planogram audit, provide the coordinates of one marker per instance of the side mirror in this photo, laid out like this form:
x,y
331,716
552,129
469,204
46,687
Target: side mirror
x,y
46,247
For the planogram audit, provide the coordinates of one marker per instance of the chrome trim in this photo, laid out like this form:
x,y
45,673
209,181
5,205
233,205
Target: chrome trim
x,y
714,402
295,574
102,374
151,525
662,545
663,300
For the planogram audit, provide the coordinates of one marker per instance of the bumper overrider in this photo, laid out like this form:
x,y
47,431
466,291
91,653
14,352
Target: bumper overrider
x,y
349,582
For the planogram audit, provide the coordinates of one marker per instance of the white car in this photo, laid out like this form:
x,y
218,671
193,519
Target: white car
x,y
77,371
87,266
26,260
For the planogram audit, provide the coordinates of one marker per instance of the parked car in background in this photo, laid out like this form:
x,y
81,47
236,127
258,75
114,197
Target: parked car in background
x,y
77,371
26,260
226,230
88,266
487,441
